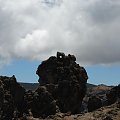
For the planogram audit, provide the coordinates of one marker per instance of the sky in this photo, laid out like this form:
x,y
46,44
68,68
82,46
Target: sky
x,y
33,30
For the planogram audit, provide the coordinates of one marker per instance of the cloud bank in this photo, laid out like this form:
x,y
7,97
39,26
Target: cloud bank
x,y
36,29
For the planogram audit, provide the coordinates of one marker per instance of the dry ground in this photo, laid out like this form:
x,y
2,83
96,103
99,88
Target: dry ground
x,y
111,112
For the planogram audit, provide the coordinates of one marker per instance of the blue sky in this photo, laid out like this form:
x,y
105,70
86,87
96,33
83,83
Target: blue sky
x,y
25,71
108,75
33,30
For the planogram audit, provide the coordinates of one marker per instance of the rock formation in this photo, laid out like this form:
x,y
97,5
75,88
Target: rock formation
x,y
65,80
60,94
94,103
40,102
11,97
62,88
113,95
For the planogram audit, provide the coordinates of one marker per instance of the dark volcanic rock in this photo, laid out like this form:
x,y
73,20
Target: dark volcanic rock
x,y
113,95
94,103
65,80
43,103
11,97
40,103
62,88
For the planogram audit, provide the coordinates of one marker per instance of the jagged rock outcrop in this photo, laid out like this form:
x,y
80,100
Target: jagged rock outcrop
x,y
11,97
40,102
94,103
65,80
43,99
113,95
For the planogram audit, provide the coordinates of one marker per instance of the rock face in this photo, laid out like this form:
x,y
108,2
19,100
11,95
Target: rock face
x,y
65,80
11,97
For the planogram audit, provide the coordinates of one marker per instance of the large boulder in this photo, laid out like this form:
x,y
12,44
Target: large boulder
x,y
11,97
16,90
39,102
43,103
94,103
65,80
113,95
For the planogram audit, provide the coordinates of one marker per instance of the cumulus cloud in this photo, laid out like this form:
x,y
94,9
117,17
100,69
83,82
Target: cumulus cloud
x,y
36,29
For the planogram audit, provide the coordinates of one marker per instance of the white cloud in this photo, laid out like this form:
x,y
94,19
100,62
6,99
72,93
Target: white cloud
x,y
87,28
32,44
